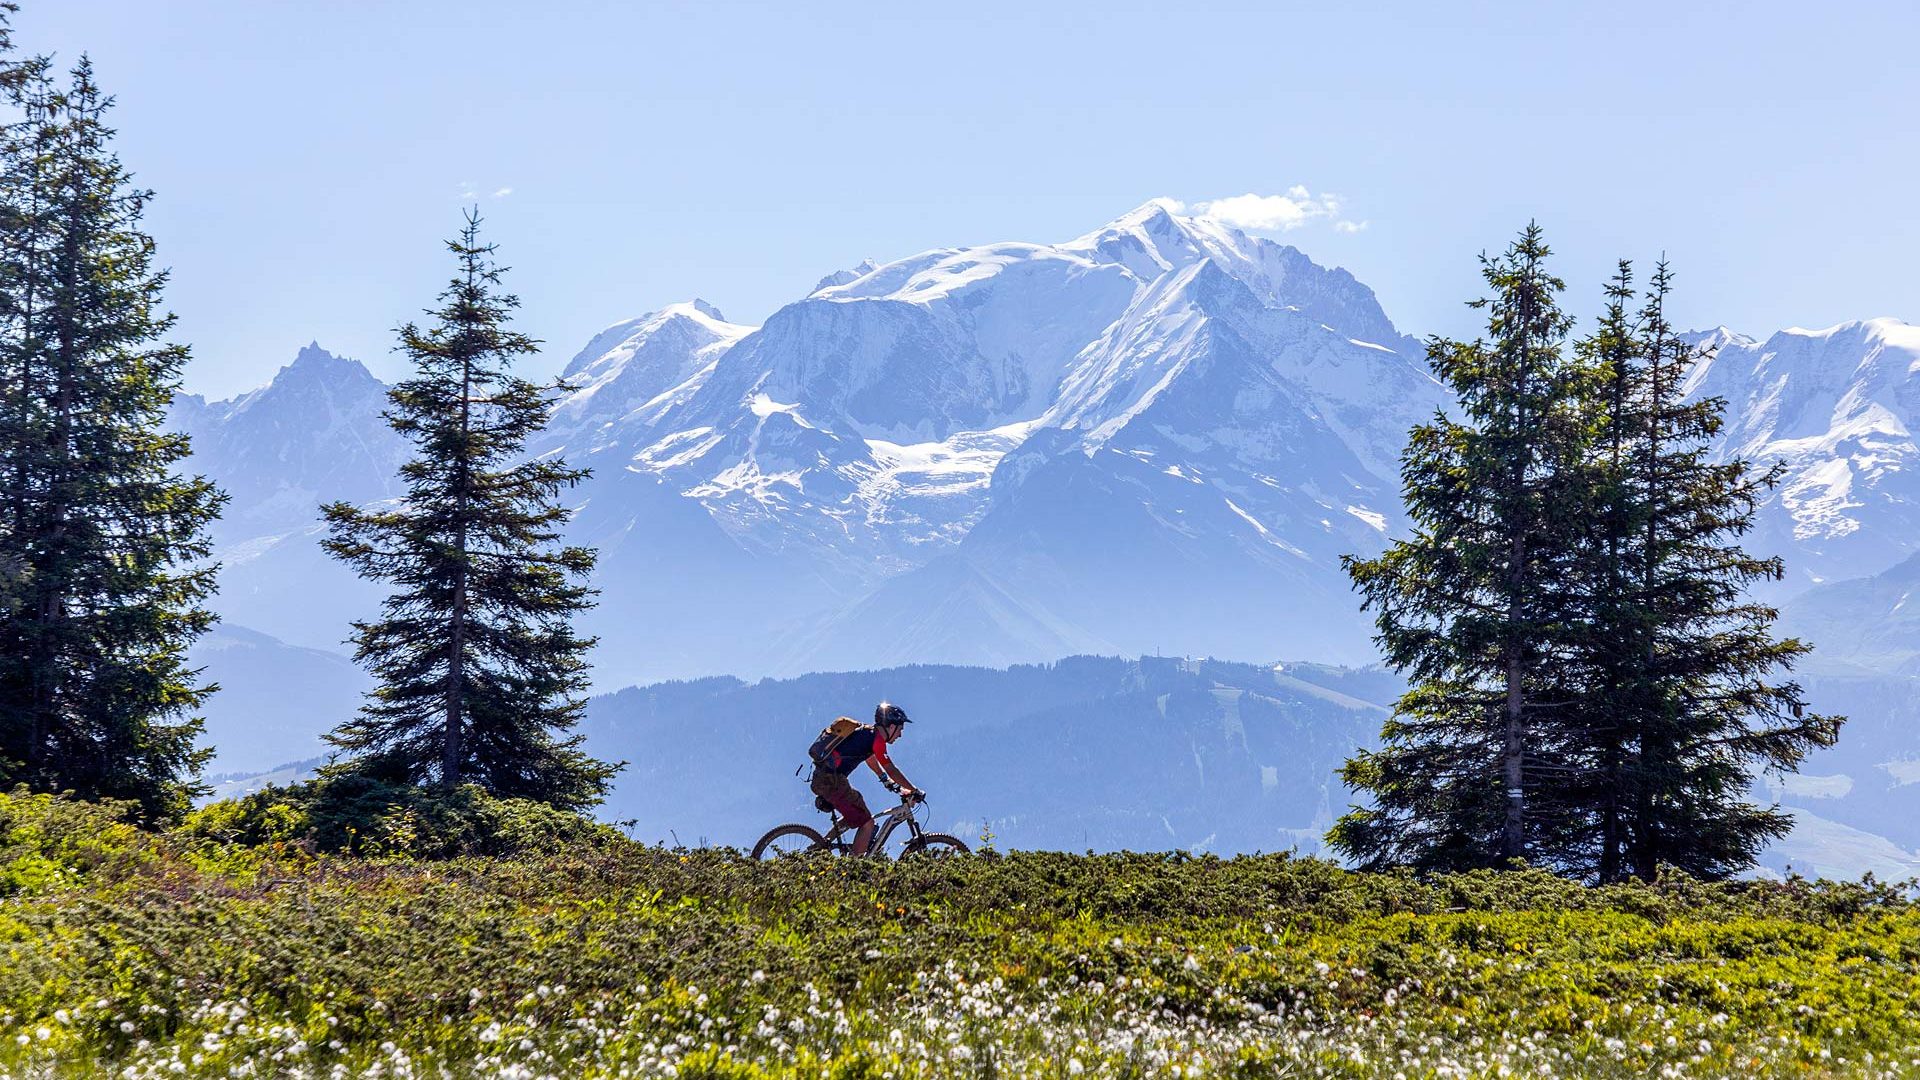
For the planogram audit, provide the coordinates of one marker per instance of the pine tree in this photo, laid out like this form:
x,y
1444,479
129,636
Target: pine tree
x,y
1682,700
479,672
105,544
1600,654
1472,608
1575,591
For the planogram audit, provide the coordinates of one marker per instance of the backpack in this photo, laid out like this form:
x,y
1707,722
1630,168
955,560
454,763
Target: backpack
x,y
830,738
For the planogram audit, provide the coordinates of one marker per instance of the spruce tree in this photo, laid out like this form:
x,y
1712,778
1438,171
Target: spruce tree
x,y
1472,608
1604,652
1575,589
105,544
479,672
1685,696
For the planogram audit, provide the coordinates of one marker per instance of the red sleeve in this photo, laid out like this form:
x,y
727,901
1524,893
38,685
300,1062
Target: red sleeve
x,y
880,748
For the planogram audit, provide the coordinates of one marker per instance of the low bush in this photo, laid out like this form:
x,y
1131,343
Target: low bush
x,y
363,816
47,841
190,954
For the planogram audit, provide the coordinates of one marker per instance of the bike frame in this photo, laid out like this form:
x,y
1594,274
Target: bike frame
x,y
889,821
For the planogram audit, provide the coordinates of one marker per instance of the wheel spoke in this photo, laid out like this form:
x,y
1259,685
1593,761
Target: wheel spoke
x,y
788,840
788,845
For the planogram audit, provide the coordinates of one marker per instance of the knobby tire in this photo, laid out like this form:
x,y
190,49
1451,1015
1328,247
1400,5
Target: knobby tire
x,y
815,842
933,845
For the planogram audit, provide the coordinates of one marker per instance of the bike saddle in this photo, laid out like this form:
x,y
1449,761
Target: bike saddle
x,y
820,803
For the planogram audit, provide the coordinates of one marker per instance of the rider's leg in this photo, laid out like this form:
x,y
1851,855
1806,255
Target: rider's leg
x,y
853,809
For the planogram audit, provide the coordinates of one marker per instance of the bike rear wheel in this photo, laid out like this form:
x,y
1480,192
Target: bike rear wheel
x,y
933,845
789,840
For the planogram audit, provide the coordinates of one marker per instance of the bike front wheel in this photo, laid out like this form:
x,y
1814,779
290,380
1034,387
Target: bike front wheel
x,y
789,840
933,845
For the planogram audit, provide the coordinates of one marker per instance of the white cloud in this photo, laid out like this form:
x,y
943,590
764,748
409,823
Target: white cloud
x,y
471,192
1278,213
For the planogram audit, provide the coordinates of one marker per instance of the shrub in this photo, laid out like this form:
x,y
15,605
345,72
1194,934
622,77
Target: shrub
x,y
363,816
47,840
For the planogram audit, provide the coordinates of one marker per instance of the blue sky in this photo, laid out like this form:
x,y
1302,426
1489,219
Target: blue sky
x,y
309,157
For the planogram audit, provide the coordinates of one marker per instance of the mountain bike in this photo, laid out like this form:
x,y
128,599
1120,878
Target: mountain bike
x,y
838,839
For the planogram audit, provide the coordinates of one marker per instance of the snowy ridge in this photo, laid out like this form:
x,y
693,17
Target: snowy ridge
x,y
1838,406
313,435
628,367
1152,239
899,386
943,457
841,277
1133,360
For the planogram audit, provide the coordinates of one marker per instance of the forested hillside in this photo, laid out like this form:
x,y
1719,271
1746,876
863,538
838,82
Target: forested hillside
x,y
1087,753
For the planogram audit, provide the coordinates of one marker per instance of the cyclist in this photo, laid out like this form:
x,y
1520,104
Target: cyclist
x,y
868,744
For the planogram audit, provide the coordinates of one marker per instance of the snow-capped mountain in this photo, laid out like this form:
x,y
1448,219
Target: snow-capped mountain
x,y
1160,435
624,371
983,453
1838,406
310,436
1206,463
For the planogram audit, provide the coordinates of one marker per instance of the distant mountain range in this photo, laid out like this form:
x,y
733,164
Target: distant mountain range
x,y
1160,436
1163,434
1098,752
1213,756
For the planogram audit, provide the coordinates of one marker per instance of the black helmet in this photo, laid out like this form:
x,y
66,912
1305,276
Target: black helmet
x,y
887,713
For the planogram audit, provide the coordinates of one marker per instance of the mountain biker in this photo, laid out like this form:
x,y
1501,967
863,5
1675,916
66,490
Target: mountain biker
x,y
868,744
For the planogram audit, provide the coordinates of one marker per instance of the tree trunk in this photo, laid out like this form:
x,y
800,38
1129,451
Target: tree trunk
x,y
450,751
1610,776
30,520
1513,836
49,665
1610,823
1646,829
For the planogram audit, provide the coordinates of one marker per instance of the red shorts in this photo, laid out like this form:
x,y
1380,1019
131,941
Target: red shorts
x,y
840,791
